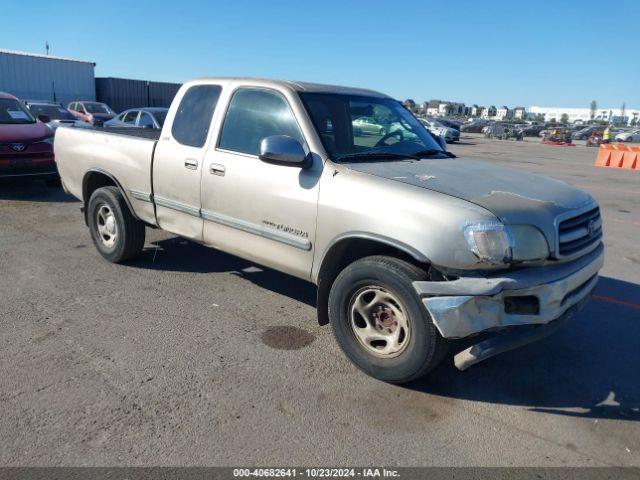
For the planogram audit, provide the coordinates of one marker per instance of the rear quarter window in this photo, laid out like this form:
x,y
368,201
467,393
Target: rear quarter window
x,y
193,118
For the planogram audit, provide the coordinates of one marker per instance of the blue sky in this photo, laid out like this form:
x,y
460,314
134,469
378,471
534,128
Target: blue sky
x,y
487,52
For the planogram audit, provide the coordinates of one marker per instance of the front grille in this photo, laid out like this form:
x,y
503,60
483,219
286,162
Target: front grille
x,y
579,233
25,156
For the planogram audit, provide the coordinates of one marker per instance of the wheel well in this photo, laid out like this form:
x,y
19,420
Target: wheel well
x,y
94,180
347,251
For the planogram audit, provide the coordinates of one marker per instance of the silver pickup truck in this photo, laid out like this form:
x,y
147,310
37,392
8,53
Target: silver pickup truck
x,y
409,246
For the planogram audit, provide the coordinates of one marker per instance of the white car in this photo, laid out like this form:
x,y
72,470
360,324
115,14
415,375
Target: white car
x,y
633,136
450,135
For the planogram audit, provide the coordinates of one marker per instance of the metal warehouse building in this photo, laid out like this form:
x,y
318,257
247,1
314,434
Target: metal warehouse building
x,y
122,93
39,77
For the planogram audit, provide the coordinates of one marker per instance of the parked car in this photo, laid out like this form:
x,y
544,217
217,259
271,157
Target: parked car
x,y
450,123
150,117
584,133
409,246
368,126
633,136
94,113
58,115
26,142
503,131
450,135
474,127
533,130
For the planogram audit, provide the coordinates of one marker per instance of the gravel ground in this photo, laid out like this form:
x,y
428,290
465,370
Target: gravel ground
x,y
188,356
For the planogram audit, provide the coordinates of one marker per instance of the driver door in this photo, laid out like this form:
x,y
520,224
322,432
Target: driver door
x,y
256,210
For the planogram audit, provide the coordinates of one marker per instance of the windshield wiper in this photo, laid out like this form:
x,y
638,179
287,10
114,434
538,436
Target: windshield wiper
x,y
376,155
432,152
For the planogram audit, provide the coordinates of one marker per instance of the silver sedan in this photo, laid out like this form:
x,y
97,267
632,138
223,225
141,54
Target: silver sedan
x,y
151,117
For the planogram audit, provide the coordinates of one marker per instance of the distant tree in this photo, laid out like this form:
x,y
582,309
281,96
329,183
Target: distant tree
x,y
564,119
409,104
553,120
539,118
592,109
623,112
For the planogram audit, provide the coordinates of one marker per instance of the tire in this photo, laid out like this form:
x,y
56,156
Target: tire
x,y
116,233
420,349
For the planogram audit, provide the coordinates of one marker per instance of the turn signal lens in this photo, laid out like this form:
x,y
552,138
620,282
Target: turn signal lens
x,y
490,242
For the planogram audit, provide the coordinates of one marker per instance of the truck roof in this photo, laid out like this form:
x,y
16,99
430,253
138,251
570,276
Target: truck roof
x,y
293,85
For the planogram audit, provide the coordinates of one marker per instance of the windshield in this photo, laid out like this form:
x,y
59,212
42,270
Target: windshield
x,y
54,112
97,108
358,125
12,111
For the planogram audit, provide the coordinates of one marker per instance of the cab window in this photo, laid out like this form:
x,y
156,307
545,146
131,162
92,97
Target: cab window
x,y
193,118
255,114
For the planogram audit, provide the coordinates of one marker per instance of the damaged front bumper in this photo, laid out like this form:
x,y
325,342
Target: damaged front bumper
x,y
529,296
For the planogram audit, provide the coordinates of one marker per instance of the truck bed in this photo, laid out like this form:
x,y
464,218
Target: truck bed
x,y
148,133
125,154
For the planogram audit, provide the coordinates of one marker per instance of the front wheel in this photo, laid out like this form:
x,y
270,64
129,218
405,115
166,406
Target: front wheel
x,y
115,232
380,323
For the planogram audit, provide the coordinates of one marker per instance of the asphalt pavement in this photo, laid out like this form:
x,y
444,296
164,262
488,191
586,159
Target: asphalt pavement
x,y
189,356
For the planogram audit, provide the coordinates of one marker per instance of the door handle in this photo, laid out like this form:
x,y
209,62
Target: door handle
x,y
191,163
217,169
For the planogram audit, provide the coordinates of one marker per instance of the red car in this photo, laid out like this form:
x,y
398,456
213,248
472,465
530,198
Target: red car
x,y
95,113
26,143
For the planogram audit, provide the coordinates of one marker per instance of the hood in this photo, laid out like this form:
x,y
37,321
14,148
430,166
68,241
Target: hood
x,y
514,196
24,132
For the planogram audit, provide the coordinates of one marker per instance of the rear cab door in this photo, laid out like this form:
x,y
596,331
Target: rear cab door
x,y
178,159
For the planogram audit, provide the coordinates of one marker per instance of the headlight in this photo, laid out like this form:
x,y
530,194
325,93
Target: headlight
x,y
528,243
48,140
491,242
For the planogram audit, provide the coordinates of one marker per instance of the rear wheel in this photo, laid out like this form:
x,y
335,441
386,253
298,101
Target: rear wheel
x,y
115,232
380,323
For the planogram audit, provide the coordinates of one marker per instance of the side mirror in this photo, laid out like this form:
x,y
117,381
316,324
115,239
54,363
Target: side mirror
x,y
283,150
44,118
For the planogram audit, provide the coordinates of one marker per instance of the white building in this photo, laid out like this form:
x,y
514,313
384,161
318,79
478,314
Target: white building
x,y
433,108
519,113
438,108
452,108
489,112
584,114
503,112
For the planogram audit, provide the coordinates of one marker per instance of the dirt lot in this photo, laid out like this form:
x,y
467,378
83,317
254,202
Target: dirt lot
x,y
190,356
